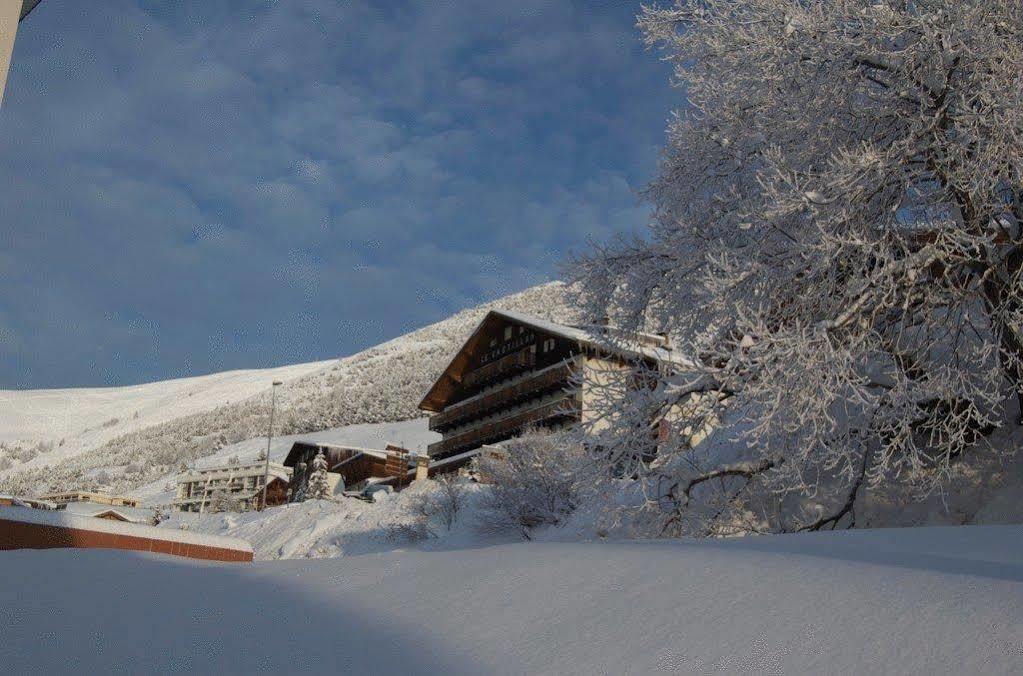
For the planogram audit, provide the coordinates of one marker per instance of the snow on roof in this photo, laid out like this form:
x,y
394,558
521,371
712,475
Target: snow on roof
x,y
375,452
91,509
413,435
276,470
63,519
608,338
28,502
456,458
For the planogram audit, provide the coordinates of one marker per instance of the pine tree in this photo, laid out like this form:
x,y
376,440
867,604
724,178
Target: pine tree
x,y
319,487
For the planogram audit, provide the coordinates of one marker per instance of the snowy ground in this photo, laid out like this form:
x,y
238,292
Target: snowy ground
x,y
323,529
916,601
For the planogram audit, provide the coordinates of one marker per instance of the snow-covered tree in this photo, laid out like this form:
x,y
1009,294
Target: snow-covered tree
x,y
223,501
319,487
535,482
159,516
837,242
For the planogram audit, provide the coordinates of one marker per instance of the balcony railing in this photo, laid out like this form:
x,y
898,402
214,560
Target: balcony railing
x,y
548,380
502,368
503,428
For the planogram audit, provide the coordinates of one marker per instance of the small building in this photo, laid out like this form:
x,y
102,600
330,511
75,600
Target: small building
x,y
348,467
124,514
63,499
516,372
241,484
31,503
54,529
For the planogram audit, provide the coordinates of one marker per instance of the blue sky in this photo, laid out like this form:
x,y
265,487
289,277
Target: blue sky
x,y
189,186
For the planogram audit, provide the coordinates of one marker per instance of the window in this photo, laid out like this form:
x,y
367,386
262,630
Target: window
x,y
548,345
507,333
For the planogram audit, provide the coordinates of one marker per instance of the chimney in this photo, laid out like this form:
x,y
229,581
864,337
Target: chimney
x,y
422,467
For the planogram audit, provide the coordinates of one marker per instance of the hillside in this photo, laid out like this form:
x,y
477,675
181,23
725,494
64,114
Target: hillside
x,y
42,427
105,443
910,601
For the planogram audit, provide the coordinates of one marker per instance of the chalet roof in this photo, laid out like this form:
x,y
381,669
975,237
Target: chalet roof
x,y
607,340
301,445
129,514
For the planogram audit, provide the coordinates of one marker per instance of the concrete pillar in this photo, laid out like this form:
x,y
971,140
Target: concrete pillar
x,y
422,467
10,12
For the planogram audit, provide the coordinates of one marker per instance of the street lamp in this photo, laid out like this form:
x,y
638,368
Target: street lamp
x,y
269,437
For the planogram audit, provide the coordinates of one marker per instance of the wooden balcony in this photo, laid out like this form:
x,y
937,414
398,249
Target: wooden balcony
x,y
505,367
549,380
569,406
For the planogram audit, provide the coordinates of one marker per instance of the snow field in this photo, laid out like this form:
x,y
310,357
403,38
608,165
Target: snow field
x,y
916,601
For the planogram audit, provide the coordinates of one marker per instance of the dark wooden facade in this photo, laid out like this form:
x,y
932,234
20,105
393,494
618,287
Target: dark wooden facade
x,y
509,376
277,492
355,465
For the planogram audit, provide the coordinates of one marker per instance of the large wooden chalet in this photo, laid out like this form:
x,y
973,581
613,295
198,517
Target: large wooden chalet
x,y
517,371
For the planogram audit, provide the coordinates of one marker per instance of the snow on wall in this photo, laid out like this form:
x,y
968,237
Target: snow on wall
x,y
62,519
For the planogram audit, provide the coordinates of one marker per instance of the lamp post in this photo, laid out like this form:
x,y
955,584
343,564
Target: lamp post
x,y
269,437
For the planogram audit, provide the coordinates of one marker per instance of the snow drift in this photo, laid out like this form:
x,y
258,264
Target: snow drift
x,y
917,601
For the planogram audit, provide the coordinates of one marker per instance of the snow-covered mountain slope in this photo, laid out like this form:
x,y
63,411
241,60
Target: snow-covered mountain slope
x,y
72,421
381,384
913,601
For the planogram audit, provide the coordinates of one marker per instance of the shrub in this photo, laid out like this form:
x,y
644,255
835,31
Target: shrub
x,y
441,501
534,482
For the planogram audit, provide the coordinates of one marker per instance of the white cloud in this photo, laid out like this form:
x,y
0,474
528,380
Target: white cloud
x,y
238,170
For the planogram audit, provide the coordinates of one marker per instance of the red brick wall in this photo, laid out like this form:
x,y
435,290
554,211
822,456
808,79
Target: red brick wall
x,y
19,535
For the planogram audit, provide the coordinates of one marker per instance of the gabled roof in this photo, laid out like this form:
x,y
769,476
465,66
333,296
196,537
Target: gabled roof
x,y
303,444
606,340
129,514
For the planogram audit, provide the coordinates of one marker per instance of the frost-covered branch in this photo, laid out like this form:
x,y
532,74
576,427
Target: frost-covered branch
x,y
837,240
